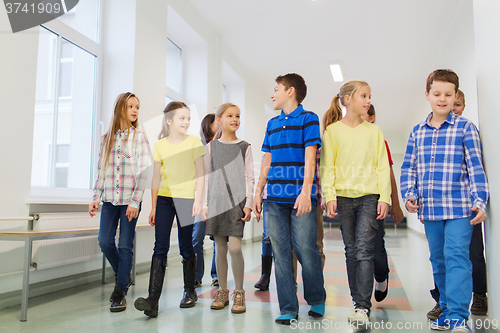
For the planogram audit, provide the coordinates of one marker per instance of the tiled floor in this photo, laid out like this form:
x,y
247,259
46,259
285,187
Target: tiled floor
x,y
86,309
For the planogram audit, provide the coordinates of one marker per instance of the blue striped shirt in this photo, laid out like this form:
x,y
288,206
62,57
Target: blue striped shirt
x,y
287,137
443,170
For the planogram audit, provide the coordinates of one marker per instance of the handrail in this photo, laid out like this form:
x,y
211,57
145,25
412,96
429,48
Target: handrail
x,y
29,218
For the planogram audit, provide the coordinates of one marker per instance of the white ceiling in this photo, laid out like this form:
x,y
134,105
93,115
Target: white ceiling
x,y
392,44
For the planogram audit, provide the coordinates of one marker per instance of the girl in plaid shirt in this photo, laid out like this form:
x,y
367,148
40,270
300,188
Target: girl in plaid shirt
x,y
121,176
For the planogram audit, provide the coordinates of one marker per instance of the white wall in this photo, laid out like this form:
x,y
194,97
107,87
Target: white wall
x,y
487,30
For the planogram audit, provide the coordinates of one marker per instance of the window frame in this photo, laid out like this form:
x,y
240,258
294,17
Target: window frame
x,y
50,194
169,92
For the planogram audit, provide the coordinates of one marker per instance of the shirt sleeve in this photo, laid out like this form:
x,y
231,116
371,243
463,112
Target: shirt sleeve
x,y
99,183
474,160
266,145
388,153
383,170
327,166
156,152
198,149
142,163
409,186
312,134
249,177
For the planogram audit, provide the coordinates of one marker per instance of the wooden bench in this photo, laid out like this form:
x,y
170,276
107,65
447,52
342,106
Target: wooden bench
x,y
28,236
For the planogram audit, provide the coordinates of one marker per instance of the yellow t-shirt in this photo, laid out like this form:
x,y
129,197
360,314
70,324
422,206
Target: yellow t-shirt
x,y
354,162
178,169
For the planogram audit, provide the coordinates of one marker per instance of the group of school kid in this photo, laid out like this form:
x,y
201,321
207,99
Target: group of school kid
x,y
442,179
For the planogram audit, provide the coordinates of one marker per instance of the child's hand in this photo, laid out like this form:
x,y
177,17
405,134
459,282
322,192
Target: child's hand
x,y
152,217
196,209
248,214
257,207
203,215
397,214
411,207
93,206
302,204
323,204
382,210
481,216
131,213
331,209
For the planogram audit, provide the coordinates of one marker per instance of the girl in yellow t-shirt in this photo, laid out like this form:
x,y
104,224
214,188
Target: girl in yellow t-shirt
x,y
178,172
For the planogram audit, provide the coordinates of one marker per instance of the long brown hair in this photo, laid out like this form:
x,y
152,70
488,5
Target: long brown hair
x,y
168,114
334,113
220,111
119,115
206,128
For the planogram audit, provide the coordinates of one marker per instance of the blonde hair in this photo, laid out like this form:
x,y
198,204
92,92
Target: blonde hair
x,y
220,111
119,115
460,95
168,114
334,113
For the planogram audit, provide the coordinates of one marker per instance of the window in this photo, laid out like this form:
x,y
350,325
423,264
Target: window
x,y
84,18
65,108
174,67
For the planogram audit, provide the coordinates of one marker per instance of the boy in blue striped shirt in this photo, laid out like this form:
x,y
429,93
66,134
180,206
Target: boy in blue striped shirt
x,y
290,145
443,180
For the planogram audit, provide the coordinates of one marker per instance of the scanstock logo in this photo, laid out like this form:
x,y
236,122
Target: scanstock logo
x,y
28,14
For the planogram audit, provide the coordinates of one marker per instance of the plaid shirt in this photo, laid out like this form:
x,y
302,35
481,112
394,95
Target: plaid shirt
x,y
124,179
443,170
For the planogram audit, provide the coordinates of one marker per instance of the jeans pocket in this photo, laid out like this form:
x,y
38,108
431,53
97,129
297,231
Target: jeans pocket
x,y
374,223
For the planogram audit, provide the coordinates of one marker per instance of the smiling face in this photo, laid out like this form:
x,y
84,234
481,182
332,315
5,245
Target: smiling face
x,y
180,122
132,109
441,96
361,102
230,119
459,106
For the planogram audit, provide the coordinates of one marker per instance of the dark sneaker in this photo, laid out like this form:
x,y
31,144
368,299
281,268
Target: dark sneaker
x,y
118,303
479,305
197,284
215,282
435,312
381,295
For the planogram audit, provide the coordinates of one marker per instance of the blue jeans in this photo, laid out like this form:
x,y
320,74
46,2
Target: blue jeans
x,y
291,232
449,242
359,225
267,249
119,258
381,265
165,212
198,237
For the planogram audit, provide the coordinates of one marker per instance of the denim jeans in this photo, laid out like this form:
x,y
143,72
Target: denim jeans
x,y
291,232
165,213
198,238
449,242
267,249
119,258
359,225
381,265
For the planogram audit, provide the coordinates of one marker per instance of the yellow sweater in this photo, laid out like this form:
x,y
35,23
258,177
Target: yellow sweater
x,y
354,162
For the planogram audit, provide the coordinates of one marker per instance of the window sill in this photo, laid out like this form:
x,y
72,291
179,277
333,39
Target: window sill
x,y
59,196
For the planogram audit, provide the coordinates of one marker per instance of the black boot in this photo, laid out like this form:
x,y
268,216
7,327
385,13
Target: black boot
x,y
263,283
190,297
150,304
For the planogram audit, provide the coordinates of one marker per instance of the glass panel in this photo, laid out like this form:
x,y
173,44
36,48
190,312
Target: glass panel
x,y
84,18
174,67
75,118
44,108
168,100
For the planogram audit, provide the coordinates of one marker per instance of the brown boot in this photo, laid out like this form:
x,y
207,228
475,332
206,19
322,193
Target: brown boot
x,y
479,305
221,299
238,302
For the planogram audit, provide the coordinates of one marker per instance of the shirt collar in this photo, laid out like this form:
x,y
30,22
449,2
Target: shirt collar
x,y
131,129
450,119
294,114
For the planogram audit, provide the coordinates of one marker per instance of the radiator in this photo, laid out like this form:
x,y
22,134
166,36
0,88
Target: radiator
x,y
58,252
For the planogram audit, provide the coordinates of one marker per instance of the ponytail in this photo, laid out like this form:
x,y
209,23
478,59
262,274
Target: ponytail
x,y
333,114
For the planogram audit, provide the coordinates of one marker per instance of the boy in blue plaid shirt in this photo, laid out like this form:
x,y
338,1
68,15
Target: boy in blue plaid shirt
x,y
443,180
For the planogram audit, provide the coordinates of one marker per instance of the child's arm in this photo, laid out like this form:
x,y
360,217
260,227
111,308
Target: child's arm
x,y
155,185
477,177
142,162
327,172
99,183
409,176
396,212
264,170
303,202
383,178
206,162
200,182
250,180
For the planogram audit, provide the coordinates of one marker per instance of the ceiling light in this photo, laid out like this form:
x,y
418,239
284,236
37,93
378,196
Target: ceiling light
x,y
336,73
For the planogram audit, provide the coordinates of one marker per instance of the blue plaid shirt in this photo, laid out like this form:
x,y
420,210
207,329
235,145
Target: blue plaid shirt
x,y
443,170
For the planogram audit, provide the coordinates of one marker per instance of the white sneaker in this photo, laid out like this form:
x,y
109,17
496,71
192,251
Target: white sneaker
x,y
353,311
359,318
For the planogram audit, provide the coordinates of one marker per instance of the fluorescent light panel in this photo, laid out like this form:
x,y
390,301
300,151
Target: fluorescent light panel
x,y
336,73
